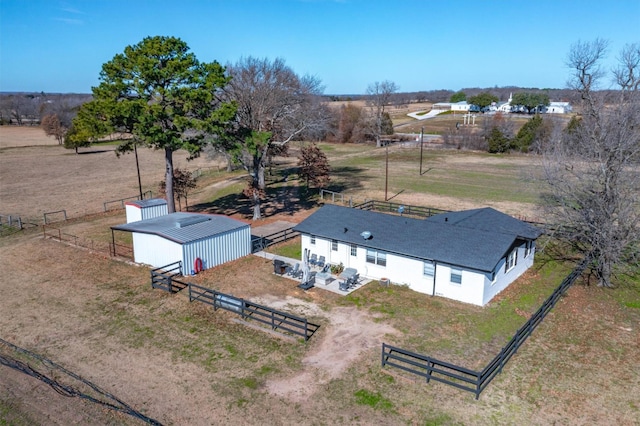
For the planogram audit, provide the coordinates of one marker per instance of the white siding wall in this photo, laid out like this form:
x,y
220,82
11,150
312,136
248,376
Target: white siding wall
x,y
469,291
154,250
154,211
476,287
157,251
134,213
217,250
504,279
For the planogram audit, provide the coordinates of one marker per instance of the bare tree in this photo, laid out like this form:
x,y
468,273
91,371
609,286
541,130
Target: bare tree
x,y
593,167
53,127
275,106
314,166
380,94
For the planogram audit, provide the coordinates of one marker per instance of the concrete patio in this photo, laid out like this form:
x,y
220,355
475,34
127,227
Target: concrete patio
x,y
332,285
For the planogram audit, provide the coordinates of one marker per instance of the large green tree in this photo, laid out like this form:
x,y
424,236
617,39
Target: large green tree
x,y
530,100
483,99
163,96
458,97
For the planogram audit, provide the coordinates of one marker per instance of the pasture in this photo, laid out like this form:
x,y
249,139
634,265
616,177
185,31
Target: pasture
x,y
182,363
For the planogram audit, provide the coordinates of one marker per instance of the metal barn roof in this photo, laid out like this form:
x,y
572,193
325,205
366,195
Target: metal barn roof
x,y
147,203
184,227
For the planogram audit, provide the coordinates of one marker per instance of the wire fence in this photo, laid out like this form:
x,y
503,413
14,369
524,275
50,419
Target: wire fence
x,y
113,249
63,381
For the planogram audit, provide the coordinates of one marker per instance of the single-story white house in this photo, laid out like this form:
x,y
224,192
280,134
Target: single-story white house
x,y
469,256
461,106
200,241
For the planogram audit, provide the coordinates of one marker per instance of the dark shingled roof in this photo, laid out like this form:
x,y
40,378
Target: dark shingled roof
x,y
461,243
183,227
488,219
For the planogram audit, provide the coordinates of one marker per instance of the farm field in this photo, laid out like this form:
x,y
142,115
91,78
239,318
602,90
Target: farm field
x,y
182,363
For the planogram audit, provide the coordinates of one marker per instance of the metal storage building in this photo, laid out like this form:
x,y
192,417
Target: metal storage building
x,y
145,209
200,241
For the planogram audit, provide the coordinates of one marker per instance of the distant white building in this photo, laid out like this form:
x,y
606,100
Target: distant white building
x,y
444,106
505,106
559,108
461,106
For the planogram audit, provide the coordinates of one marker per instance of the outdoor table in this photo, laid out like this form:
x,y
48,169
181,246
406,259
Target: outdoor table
x,y
348,273
323,278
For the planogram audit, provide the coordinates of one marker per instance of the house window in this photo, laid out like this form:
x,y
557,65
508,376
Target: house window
x,y
354,250
429,269
376,257
528,248
313,240
334,245
512,260
456,276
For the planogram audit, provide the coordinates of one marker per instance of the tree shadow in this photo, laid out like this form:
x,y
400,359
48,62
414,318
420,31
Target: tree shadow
x,y
347,177
282,200
99,151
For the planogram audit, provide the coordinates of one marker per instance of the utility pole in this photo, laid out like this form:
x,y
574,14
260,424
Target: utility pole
x,y
386,176
421,134
135,150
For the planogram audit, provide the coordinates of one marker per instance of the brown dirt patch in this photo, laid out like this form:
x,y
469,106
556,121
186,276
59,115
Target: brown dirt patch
x,y
348,333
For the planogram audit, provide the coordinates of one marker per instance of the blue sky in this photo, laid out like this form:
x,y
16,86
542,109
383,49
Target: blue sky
x,y
59,46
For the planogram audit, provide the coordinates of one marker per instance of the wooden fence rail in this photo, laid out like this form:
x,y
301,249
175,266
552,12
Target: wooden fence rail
x,y
167,278
52,232
402,209
261,243
120,201
276,320
464,378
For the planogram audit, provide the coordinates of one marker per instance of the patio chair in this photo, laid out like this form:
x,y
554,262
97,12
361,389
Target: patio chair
x,y
321,261
313,260
353,281
293,272
343,286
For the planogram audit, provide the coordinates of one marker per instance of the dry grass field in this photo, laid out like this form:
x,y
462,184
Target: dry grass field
x,y
37,175
182,363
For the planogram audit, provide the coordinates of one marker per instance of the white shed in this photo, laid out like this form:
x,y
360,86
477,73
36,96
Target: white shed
x,y
199,241
145,209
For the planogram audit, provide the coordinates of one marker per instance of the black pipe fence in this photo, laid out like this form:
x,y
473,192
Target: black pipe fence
x,y
120,202
166,278
113,249
397,208
260,243
467,379
275,319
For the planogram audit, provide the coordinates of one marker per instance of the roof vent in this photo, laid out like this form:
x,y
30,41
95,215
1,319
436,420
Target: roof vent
x,y
188,221
366,235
